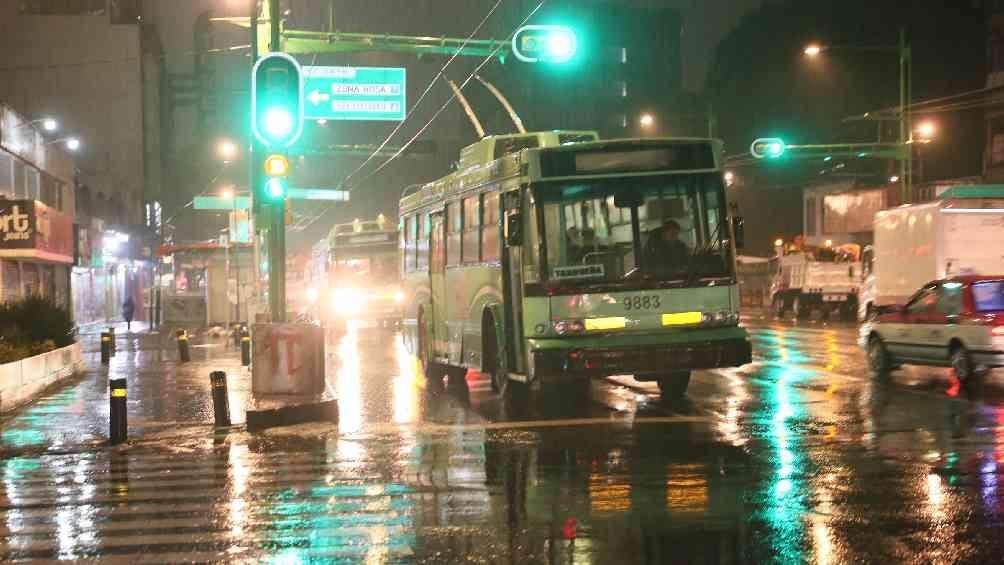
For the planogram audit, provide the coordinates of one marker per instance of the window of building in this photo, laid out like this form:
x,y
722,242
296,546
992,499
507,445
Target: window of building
x,y
622,89
62,7
490,227
32,184
810,216
472,227
623,55
6,174
454,226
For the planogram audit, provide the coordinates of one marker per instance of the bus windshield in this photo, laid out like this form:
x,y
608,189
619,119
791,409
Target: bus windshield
x,y
376,269
665,228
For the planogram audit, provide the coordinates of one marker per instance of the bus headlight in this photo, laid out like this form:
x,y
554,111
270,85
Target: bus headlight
x,y
348,301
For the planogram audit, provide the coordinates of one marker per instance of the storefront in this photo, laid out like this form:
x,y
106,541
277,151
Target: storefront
x,y
36,251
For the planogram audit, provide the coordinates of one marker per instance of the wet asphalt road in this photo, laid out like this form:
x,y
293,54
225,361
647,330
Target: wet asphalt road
x,y
798,457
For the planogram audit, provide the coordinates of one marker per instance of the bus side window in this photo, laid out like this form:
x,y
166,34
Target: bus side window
x,y
472,229
490,227
409,244
453,227
422,246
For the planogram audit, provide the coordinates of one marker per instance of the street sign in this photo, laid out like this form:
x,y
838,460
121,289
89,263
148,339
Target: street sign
x,y
218,203
354,93
318,194
767,147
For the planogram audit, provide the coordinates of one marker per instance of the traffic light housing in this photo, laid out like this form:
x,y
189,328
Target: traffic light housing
x,y
768,148
544,44
277,100
276,168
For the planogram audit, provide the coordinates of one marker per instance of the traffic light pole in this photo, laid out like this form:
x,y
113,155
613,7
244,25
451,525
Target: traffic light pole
x,y
276,212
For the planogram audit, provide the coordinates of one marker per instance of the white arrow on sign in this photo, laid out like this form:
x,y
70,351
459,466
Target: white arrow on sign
x,y
316,97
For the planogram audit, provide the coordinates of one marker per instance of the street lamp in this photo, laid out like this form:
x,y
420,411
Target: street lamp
x,y
48,124
72,143
227,194
905,88
926,130
646,120
226,149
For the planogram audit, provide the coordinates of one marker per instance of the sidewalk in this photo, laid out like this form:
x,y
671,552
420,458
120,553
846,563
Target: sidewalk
x,y
162,392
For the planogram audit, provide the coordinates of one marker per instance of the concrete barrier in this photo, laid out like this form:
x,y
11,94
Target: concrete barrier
x,y
22,380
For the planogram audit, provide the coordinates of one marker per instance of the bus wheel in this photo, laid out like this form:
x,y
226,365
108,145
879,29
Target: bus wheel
x,y
515,398
674,385
456,377
490,349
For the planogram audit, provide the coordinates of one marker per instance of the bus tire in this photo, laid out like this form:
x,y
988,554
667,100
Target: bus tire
x,y
456,377
515,399
489,349
673,386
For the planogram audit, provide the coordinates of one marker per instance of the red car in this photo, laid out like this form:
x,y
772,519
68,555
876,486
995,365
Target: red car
x,y
956,322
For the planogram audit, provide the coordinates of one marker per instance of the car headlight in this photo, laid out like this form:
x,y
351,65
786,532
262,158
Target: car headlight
x,y
399,296
348,301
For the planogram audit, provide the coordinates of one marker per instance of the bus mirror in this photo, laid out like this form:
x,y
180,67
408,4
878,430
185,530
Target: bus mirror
x,y
626,199
514,230
739,231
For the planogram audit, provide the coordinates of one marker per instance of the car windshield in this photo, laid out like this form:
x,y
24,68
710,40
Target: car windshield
x,y
668,228
989,296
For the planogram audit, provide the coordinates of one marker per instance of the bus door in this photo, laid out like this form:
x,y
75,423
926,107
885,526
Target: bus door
x,y
512,280
436,324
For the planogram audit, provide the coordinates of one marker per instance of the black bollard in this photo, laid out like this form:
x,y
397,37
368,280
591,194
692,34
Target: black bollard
x,y
183,354
117,423
111,332
106,347
237,333
221,407
245,347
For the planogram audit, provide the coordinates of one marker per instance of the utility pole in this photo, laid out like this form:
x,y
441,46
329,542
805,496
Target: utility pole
x,y
905,126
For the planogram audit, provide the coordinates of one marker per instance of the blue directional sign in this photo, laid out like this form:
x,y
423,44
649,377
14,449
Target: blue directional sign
x,y
354,93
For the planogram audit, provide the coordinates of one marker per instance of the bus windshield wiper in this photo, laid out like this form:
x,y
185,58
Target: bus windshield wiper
x,y
692,273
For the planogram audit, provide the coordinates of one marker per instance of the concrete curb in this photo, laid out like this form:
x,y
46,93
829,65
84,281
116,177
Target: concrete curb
x,y
326,411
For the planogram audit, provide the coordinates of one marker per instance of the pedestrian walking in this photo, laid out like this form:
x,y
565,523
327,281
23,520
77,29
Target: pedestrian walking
x,y
128,309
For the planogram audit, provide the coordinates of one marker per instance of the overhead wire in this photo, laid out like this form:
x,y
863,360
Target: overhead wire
x,y
488,59
400,125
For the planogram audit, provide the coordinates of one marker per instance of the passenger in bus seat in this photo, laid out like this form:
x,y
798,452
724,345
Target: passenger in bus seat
x,y
664,251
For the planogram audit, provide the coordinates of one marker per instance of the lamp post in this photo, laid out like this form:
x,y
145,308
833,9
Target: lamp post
x,y
903,49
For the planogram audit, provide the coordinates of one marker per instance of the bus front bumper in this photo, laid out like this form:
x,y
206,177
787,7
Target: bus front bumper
x,y
726,347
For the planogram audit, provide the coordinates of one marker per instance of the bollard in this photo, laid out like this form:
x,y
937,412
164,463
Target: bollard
x,y
183,354
106,347
237,331
221,408
245,347
117,423
111,332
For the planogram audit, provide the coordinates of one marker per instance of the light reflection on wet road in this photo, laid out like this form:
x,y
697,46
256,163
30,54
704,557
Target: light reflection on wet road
x,y
798,457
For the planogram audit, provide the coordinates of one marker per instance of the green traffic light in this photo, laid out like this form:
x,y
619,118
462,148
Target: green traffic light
x,y
544,44
276,188
561,45
278,123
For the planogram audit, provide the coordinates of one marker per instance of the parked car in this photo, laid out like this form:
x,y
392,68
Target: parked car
x,y
956,322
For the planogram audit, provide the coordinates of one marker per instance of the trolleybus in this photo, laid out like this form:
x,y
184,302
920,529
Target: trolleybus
x,y
558,257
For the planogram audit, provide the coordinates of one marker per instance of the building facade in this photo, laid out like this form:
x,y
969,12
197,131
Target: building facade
x,y
36,212
96,68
